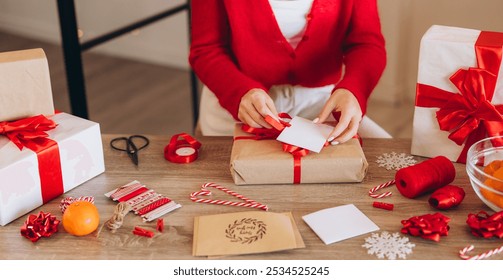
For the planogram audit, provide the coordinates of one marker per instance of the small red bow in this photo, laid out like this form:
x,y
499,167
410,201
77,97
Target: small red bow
x,y
38,226
28,130
429,226
485,225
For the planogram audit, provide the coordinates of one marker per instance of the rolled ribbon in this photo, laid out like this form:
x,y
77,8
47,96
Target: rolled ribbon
x,y
184,150
40,225
485,225
447,197
424,177
429,226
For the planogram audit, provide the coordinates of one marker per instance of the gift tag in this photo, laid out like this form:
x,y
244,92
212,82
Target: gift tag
x,y
305,134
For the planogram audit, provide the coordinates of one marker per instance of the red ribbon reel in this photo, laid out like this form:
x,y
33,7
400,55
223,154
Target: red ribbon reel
x,y
184,150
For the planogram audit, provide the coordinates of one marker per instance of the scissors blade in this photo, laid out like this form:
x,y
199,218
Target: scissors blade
x,y
134,157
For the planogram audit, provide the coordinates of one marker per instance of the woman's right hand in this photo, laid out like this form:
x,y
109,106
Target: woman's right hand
x,y
254,106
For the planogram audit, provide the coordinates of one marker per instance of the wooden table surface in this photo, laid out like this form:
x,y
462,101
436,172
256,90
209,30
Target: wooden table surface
x,y
177,181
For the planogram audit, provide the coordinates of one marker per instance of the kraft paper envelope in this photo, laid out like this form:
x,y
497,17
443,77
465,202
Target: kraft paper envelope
x,y
25,85
245,233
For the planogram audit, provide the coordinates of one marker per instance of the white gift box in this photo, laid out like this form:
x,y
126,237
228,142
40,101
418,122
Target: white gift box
x,y
81,157
443,52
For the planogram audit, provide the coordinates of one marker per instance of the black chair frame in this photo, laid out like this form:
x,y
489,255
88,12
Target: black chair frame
x,y
73,49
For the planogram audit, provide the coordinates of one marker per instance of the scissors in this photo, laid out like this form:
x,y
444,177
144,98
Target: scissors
x,y
129,146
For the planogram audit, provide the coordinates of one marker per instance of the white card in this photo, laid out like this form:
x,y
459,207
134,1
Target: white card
x,y
339,223
305,134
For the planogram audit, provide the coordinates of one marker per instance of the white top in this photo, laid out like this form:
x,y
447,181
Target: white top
x,y
291,18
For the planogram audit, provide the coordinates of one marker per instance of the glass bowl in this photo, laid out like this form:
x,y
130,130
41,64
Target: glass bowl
x,y
483,161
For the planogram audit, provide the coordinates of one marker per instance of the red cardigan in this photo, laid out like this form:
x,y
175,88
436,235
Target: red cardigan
x,y
237,45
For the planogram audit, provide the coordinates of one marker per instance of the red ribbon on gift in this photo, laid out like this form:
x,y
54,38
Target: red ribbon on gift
x,y
485,225
184,150
273,133
30,133
469,116
429,226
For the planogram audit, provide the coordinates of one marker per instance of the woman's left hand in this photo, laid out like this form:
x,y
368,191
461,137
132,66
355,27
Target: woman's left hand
x,y
342,100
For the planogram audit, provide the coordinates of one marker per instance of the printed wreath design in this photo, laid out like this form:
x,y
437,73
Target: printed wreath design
x,y
230,232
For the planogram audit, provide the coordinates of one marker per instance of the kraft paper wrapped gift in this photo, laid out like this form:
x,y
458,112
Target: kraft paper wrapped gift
x,y
459,97
21,172
256,162
25,85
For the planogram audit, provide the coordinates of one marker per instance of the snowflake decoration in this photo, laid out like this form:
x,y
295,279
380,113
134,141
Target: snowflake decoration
x,y
395,161
388,245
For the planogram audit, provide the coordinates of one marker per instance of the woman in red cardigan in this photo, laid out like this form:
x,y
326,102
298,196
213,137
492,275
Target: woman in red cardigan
x,y
310,58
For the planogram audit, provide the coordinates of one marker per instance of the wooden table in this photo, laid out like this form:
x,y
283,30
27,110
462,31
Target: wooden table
x,y
177,181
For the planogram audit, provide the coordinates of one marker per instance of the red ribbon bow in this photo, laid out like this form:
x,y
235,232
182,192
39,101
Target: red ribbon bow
x,y
429,226
485,225
38,226
469,116
29,131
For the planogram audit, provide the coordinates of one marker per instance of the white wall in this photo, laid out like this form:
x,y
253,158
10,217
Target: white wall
x,y
403,22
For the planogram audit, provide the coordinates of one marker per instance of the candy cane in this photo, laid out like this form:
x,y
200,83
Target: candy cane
x,y
204,191
463,253
381,186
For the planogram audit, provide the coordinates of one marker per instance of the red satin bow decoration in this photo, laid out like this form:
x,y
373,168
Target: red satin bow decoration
x,y
429,226
463,113
184,150
485,225
28,130
447,197
38,226
469,116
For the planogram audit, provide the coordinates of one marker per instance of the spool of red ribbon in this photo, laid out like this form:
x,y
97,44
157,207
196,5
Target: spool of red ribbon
x,y
182,148
424,177
447,197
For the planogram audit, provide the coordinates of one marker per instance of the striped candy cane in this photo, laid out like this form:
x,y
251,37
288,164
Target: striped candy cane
x,y
65,202
204,191
381,186
463,253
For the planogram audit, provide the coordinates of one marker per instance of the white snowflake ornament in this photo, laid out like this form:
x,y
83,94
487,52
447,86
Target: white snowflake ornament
x,y
388,245
395,161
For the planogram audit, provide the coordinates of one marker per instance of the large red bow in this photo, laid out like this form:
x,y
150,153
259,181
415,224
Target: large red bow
x,y
31,133
469,116
27,131
428,226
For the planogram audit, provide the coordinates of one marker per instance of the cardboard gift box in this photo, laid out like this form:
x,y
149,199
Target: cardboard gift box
x,y
264,162
459,92
25,85
30,179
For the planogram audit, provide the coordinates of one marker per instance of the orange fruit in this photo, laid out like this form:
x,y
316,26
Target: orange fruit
x,y
81,218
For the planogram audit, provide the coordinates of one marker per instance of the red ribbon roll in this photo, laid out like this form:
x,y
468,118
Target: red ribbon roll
x,y
185,150
447,197
424,177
